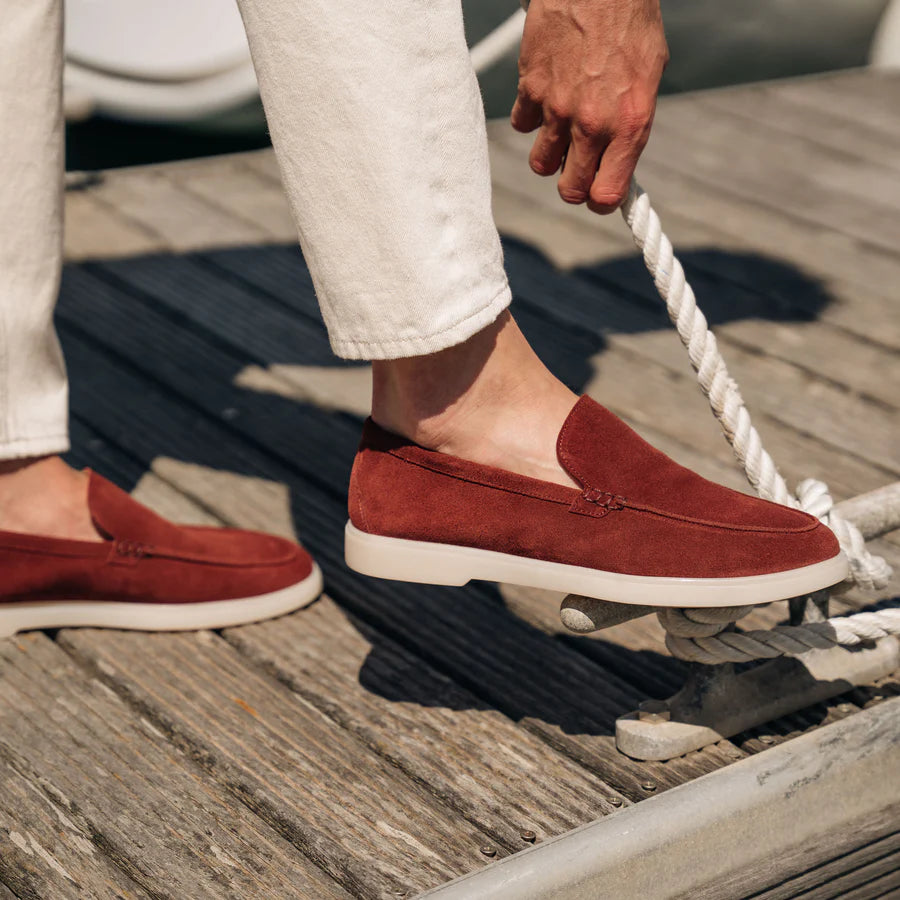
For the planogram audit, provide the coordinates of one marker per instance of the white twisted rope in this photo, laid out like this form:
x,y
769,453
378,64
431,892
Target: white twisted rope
x,y
700,635
724,397
700,642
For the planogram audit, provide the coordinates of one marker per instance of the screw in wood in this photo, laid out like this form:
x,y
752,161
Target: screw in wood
x,y
615,801
529,836
648,785
845,708
489,851
766,739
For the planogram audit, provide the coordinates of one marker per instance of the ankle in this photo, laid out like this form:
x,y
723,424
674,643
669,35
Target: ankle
x,y
488,400
431,398
44,496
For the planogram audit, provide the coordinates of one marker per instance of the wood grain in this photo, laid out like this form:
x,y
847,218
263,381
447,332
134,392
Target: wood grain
x,y
290,765
202,377
141,803
44,853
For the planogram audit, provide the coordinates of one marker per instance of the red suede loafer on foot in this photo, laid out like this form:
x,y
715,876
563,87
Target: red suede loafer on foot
x,y
149,574
642,530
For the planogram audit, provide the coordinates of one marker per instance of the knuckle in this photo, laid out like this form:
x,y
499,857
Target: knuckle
x,y
529,90
558,109
591,126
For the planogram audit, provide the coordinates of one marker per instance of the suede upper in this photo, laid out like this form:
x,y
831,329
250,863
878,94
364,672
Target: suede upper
x,y
146,558
638,512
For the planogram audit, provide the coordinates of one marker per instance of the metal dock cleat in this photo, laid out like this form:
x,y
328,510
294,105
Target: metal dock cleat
x,y
811,659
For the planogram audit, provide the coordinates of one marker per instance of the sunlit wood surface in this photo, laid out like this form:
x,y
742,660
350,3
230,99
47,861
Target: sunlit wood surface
x,y
393,736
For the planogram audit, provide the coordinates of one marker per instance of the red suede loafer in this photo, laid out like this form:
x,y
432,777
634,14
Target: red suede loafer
x,y
149,574
642,530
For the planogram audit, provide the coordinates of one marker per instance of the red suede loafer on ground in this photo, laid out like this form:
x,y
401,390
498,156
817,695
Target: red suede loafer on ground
x,y
643,529
149,574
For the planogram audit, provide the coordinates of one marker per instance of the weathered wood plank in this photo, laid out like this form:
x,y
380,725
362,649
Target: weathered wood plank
x,y
834,878
829,187
290,764
503,779
182,221
141,801
803,870
887,887
228,183
805,267
95,230
776,106
834,415
748,316
863,98
43,853
638,353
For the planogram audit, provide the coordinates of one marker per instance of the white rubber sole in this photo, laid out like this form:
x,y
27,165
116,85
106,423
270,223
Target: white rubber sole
x,y
25,615
430,563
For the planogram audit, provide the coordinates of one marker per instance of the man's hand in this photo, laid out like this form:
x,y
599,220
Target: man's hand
x,y
589,71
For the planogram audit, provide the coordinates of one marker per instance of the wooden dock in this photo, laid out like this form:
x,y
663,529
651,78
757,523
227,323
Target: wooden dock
x,y
391,736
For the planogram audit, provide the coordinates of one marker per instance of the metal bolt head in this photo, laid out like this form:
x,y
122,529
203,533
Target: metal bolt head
x,y
845,708
766,739
648,785
529,836
615,801
488,850
654,711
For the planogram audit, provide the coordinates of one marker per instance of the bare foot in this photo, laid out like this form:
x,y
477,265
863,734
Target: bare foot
x,y
44,496
488,400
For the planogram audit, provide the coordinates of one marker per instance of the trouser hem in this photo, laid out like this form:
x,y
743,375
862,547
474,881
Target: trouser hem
x,y
350,348
37,446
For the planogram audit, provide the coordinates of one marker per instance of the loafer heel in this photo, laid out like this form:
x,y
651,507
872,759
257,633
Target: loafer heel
x,y
400,560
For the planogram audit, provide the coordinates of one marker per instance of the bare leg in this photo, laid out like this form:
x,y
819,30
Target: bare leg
x,y
39,494
489,400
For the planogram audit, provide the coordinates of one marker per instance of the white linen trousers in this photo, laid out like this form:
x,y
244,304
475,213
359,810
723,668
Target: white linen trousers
x,y
378,126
